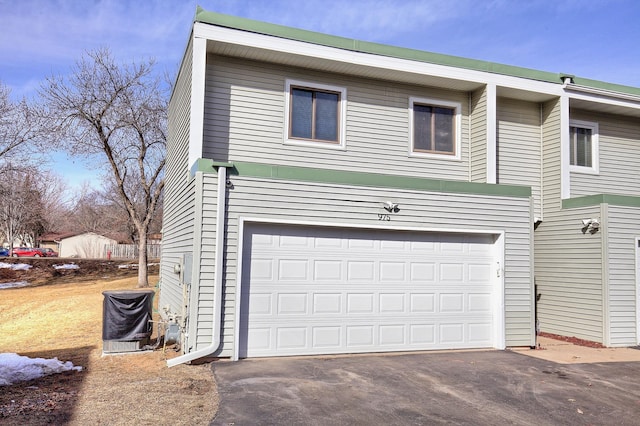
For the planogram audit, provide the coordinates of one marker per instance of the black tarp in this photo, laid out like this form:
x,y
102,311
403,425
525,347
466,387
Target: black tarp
x,y
126,314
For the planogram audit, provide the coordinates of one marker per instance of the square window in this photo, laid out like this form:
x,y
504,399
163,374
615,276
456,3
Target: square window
x,y
435,128
315,114
583,146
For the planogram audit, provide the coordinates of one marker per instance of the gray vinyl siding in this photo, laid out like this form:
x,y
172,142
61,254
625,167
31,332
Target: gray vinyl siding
x,y
478,136
619,143
202,288
519,146
244,121
178,209
334,204
568,274
622,227
568,267
551,164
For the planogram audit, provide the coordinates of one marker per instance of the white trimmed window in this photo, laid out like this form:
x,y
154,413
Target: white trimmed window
x,y
583,146
315,114
435,128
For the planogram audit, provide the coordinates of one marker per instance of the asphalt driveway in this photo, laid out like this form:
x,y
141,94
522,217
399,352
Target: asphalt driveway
x,y
469,388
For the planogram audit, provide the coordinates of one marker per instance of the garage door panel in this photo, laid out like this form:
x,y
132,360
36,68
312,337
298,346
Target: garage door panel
x,y
330,303
310,290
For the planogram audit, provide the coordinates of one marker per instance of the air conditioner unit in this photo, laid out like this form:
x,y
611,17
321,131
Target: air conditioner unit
x,y
126,320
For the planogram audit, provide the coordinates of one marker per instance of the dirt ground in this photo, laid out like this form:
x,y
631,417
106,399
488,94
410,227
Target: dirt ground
x,y
60,315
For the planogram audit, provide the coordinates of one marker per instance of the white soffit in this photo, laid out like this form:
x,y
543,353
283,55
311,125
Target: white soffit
x,y
604,105
260,47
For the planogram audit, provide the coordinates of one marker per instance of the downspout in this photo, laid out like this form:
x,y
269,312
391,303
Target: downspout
x,y
217,278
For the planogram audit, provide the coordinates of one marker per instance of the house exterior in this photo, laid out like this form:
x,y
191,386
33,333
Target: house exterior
x,y
327,195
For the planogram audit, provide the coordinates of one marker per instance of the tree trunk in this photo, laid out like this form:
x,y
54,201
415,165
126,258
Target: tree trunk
x,y
143,278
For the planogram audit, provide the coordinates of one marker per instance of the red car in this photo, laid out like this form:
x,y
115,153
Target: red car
x,y
26,252
47,252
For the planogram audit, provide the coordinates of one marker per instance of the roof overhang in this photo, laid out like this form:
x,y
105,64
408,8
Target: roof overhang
x,y
267,48
259,41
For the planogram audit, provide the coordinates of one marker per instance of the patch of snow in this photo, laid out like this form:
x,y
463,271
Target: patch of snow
x,y
15,368
13,285
15,266
129,266
66,266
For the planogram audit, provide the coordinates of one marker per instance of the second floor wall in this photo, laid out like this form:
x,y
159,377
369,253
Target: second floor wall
x,y
246,120
248,117
615,155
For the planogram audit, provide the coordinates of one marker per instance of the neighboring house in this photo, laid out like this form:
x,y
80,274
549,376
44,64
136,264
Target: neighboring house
x,y
52,240
88,245
327,195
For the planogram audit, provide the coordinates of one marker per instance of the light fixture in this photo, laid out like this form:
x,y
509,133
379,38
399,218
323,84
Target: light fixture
x,y
391,207
590,225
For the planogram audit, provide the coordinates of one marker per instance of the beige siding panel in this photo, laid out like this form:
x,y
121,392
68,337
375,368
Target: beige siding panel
x,y
178,211
479,135
244,121
358,206
551,169
202,303
568,275
622,227
619,143
519,146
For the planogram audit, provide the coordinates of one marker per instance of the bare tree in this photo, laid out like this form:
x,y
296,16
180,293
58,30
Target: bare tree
x,y
18,126
120,113
55,197
22,207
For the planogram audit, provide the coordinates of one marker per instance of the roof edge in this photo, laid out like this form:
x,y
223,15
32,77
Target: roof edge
x,y
297,34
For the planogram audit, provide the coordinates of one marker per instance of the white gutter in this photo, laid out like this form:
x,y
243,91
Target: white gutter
x,y
217,278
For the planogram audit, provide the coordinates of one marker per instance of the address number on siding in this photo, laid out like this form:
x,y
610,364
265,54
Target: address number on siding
x,y
385,217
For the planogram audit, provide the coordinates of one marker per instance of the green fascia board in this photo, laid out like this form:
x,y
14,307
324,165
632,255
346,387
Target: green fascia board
x,y
338,177
594,200
250,25
206,165
259,27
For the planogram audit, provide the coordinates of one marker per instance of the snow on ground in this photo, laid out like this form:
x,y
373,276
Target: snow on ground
x,y
13,285
15,368
15,266
66,266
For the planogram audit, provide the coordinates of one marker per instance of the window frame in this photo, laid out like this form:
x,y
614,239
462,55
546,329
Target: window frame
x,y
594,169
341,115
457,128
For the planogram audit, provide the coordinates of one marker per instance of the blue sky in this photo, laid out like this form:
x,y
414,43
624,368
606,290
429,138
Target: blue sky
x,y
595,39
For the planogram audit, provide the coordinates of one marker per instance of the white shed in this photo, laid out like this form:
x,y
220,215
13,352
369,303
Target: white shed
x,y
88,245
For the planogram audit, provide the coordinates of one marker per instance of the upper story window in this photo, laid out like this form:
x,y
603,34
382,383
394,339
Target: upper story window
x,y
435,128
583,146
315,114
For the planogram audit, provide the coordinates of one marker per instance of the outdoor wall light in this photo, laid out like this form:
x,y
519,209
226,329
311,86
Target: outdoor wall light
x,y
590,225
391,207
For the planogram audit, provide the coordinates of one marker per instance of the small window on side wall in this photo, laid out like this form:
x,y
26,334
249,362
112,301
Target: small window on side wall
x,y
315,114
435,128
583,146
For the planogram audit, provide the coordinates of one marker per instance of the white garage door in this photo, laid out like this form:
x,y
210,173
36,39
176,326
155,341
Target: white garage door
x,y
316,290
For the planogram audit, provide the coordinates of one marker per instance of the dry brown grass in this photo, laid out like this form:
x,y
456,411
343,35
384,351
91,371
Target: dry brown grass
x,y
64,320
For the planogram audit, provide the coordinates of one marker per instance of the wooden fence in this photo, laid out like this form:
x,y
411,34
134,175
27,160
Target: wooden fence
x,y
130,251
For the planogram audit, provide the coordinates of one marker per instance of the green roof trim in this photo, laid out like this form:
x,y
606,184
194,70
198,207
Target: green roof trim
x,y
206,165
606,86
594,200
338,177
250,25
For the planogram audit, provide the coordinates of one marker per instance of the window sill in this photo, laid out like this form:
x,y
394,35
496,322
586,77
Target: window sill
x,y
584,170
322,145
444,157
